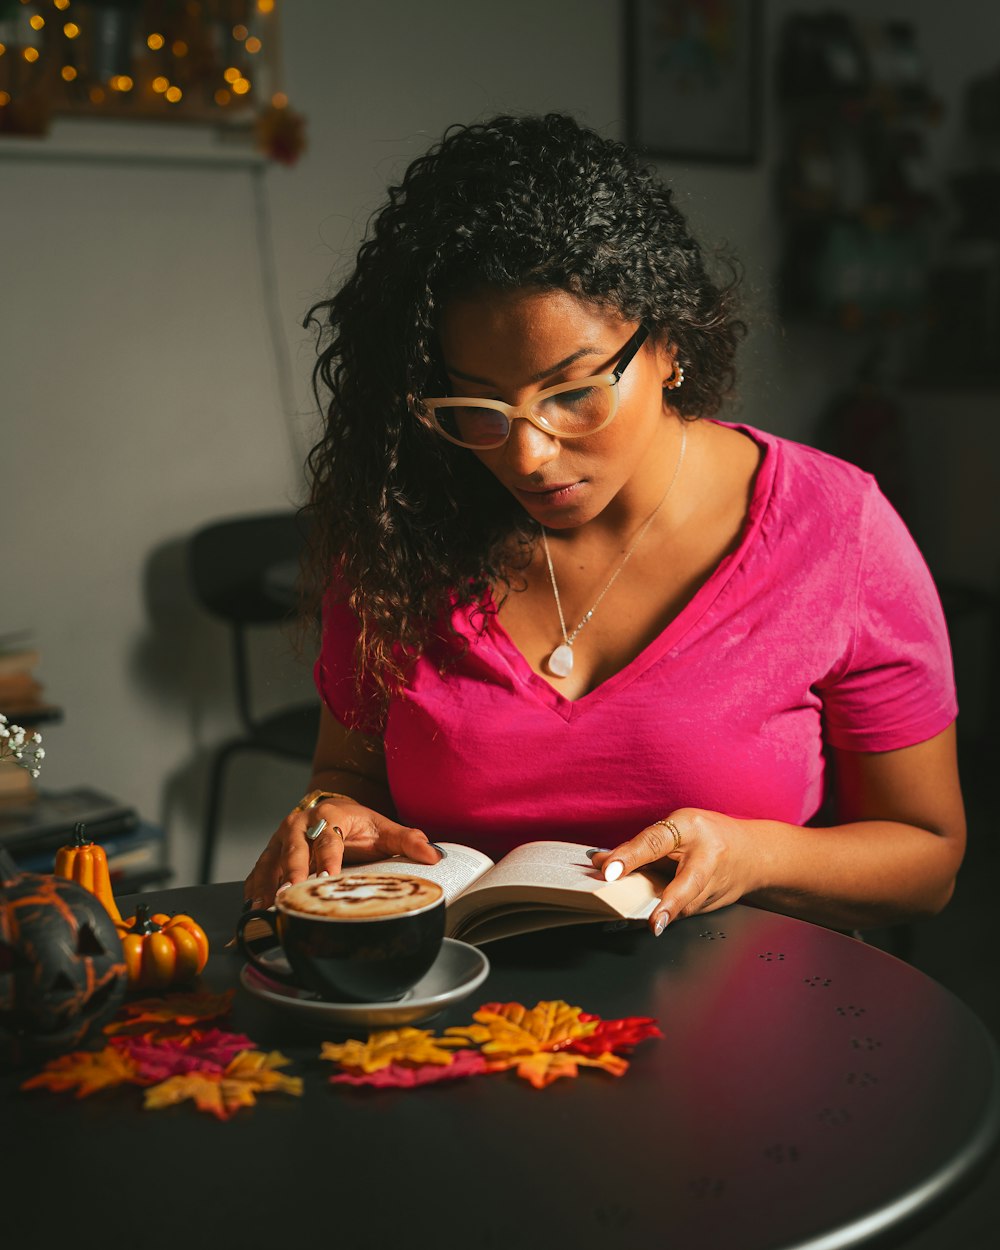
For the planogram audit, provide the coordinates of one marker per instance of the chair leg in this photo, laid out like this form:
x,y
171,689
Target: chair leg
x,y
213,809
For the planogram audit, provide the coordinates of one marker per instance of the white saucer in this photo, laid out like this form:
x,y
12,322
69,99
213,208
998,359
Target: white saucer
x,y
458,970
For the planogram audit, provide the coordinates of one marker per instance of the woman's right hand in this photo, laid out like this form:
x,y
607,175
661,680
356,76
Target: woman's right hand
x,y
364,836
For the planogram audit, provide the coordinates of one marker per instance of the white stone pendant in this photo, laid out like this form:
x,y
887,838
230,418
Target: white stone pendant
x,y
560,662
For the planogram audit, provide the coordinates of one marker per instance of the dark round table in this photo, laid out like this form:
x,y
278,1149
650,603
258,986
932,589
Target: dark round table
x,y
810,1091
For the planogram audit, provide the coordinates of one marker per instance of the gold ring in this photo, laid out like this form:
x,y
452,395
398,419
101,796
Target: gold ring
x,y
672,830
317,796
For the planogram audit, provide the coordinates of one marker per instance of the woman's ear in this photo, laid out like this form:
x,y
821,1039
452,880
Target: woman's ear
x,y
671,373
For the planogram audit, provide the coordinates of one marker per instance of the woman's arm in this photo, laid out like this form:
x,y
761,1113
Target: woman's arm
x,y
893,859
352,766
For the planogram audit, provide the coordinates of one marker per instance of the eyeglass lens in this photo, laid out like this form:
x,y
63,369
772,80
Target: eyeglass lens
x,y
569,412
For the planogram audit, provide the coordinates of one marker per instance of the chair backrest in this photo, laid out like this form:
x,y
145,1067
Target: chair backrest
x,y
230,560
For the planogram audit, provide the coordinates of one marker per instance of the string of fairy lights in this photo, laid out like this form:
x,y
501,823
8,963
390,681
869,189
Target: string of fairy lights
x,y
197,58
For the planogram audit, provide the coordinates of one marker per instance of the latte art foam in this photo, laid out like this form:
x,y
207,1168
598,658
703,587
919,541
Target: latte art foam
x,y
360,896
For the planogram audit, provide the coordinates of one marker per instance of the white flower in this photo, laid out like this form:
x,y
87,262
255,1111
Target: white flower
x,y
20,747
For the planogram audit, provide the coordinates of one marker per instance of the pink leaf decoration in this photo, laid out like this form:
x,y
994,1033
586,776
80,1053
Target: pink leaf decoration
x,y
157,1060
402,1076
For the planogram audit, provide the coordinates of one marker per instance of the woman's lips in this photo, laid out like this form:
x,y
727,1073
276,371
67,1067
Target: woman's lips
x,y
561,493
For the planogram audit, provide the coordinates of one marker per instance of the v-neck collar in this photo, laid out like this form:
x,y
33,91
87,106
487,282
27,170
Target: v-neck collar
x,y
674,631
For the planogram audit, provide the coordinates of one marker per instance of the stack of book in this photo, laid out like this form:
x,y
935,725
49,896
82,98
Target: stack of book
x,y
32,832
21,695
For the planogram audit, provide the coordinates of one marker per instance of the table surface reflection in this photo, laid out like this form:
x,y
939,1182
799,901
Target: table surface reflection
x,y
810,1091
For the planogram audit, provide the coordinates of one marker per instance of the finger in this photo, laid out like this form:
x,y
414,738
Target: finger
x,y
264,878
655,842
684,896
396,839
295,849
328,848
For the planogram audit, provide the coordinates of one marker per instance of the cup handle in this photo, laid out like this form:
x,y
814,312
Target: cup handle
x,y
267,916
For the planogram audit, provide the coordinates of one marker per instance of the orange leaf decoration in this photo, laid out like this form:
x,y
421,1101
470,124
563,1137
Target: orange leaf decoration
x,y
85,1072
223,1093
546,1066
389,1046
509,1029
177,1009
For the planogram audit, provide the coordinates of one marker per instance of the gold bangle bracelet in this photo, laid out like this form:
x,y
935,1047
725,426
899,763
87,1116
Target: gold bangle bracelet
x,y
307,803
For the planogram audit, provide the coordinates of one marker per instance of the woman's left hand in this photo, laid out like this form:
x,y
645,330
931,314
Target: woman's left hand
x,y
714,859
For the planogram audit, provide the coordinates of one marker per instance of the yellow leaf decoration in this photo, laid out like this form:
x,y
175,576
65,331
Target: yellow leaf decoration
x,y
510,1029
223,1093
85,1072
414,1046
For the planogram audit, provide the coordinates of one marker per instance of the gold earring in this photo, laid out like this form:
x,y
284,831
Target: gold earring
x,y
676,379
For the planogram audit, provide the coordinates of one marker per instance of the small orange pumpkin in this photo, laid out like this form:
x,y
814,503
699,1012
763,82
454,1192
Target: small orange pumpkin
x,y
161,950
86,863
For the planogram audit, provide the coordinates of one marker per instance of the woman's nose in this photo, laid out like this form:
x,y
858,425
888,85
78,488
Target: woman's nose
x,y
527,447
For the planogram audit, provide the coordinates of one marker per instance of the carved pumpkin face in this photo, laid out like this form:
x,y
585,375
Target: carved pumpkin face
x,y
62,973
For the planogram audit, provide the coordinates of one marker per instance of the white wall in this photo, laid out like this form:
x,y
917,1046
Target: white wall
x,y
142,392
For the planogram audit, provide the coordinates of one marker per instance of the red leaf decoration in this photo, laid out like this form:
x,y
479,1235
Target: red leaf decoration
x,y
616,1037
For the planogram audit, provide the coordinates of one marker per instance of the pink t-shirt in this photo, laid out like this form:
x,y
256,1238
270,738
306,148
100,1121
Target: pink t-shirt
x,y
823,628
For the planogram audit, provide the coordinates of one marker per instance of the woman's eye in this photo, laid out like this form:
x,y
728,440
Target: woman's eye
x,y
572,399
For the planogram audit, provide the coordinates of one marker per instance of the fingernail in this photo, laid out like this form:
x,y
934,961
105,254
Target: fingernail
x,y
324,873
613,870
284,886
437,848
660,923
596,850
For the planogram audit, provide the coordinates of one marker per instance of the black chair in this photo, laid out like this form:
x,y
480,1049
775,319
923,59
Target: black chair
x,y
244,570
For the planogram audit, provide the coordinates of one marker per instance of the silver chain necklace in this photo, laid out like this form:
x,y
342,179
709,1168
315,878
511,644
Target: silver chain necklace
x,y
560,662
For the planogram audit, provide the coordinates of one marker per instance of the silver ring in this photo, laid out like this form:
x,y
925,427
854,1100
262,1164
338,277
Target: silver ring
x,y
313,832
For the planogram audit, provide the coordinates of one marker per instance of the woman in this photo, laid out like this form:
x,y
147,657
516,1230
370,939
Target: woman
x,y
564,601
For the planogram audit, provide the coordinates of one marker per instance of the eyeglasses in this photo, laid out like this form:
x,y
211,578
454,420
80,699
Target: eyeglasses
x,y
569,410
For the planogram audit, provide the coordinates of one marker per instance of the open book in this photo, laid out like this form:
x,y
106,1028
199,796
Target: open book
x,y
535,886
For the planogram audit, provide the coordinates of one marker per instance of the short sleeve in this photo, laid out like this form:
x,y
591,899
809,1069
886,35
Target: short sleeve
x,y
335,667
896,686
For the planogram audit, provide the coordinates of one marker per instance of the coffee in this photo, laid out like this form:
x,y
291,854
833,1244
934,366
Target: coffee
x,y
360,896
365,936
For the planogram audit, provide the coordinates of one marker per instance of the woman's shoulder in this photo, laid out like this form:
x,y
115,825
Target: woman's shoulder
x,y
805,478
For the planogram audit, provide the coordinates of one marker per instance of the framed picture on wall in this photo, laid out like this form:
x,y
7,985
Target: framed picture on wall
x,y
692,78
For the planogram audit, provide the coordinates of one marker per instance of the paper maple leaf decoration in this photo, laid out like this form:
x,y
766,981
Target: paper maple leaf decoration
x,y
389,1046
548,1041
85,1072
538,1043
172,1014
220,1072
193,1052
223,1093
401,1076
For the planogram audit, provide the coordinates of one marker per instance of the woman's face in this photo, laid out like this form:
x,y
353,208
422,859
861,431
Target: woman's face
x,y
509,345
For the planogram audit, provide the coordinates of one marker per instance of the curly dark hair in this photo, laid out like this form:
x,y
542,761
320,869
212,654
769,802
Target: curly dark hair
x,y
515,202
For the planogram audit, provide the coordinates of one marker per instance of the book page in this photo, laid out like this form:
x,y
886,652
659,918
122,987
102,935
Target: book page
x,y
460,867
556,875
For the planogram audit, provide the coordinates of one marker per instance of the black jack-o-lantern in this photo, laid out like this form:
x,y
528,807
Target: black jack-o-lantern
x,y
62,972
